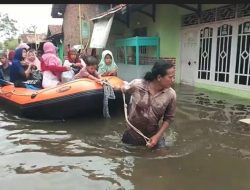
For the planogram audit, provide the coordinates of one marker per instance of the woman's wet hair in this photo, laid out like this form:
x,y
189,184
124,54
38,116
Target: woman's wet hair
x,y
91,60
160,68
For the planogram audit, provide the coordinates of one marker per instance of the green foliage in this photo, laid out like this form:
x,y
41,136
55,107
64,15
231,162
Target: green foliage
x,y
10,43
7,27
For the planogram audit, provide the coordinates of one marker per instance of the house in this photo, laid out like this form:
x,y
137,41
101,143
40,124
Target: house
x,y
210,43
35,41
74,16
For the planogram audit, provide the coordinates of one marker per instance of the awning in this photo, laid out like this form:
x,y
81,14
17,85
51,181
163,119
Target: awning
x,y
111,11
102,26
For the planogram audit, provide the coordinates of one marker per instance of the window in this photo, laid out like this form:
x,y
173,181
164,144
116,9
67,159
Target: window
x,y
242,68
223,53
205,53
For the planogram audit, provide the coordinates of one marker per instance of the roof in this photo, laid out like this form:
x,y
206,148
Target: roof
x,y
58,10
54,29
32,38
110,11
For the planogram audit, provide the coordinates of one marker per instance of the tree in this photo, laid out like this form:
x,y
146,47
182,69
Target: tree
x,y
1,45
7,26
31,29
11,43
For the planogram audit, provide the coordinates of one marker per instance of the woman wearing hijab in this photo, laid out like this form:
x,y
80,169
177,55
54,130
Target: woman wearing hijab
x,y
107,65
17,72
51,66
32,59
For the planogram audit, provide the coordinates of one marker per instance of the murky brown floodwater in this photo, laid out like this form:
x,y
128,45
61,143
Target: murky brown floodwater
x,y
208,150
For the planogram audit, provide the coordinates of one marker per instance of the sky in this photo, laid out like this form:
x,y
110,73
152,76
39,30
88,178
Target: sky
x,y
30,14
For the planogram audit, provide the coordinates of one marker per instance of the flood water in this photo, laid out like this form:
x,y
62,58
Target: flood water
x,y
208,149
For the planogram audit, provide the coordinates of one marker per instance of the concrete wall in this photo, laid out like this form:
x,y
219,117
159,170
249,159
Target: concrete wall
x,y
71,23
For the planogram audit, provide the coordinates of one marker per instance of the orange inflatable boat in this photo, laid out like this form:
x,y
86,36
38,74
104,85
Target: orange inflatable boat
x,y
71,99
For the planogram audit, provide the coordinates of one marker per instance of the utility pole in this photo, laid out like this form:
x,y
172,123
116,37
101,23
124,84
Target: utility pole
x,y
35,27
32,30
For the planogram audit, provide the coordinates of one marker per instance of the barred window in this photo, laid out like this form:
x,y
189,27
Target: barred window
x,y
223,53
205,53
242,68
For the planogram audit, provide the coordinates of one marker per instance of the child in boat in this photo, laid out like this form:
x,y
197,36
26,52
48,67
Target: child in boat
x,y
89,71
74,61
107,65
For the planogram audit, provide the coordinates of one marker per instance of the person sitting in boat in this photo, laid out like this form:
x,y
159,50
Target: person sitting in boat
x,y
11,56
74,61
18,74
107,65
90,70
4,67
36,74
51,66
32,59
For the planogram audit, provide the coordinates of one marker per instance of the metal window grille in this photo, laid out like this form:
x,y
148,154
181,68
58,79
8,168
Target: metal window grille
x,y
242,67
205,53
223,53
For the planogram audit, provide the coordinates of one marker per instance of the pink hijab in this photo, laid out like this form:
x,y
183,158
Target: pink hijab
x,y
32,59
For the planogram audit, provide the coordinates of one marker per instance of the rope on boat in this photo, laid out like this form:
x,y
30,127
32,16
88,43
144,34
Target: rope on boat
x,y
108,94
128,122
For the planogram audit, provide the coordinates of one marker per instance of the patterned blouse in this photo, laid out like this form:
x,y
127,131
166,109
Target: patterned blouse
x,y
146,110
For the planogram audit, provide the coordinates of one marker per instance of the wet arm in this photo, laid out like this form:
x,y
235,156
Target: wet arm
x,y
93,77
128,87
154,140
167,119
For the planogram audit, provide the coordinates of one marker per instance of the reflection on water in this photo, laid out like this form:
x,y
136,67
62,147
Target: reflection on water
x,y
207,149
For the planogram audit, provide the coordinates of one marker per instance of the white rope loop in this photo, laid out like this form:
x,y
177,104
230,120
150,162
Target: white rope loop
x,y
147,140
128,122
